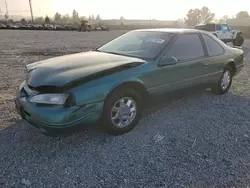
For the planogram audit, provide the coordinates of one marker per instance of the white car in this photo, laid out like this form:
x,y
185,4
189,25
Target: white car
x,y
223,32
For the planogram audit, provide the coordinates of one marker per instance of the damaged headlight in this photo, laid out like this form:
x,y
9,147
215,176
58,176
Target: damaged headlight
x,y
58,99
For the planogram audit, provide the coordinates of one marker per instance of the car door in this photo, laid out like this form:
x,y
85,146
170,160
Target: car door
x,y
188,49
215,64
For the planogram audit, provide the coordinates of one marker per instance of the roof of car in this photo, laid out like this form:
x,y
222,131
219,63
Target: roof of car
x,y
171,30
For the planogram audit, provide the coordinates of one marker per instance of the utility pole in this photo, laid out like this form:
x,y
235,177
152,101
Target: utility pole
x,y
31,12
7,11
6,16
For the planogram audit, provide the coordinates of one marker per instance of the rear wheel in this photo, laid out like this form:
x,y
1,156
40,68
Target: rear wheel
x,y
223,85
122,111
239,40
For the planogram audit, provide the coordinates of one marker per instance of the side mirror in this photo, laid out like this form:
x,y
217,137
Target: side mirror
x,y
165,61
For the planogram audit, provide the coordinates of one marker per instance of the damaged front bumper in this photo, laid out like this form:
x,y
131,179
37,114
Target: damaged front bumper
x,y
55,118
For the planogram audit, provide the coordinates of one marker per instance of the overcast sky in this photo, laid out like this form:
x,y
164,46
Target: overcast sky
x,y
129,9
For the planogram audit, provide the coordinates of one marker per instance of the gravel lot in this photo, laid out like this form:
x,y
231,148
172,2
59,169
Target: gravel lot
x,y
197,140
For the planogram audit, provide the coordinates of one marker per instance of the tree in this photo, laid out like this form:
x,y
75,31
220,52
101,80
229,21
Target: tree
x,y
47,20
66,18
39,20
6,16
58,17
242,14
75,16
98,17
23,20
122,19
224,19
193,17
181,23
206,15
196,16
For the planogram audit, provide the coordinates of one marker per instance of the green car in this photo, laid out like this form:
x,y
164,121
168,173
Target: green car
x,y
112,83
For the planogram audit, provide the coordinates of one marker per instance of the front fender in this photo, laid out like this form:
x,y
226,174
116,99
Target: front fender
x,y
99,90
128,81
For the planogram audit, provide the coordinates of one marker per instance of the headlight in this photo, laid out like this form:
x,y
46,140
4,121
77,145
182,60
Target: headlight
x,y
49,98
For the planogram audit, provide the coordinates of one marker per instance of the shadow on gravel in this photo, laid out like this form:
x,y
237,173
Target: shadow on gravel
x,y
205,142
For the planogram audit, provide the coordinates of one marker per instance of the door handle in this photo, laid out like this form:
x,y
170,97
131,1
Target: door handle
x,y
207,63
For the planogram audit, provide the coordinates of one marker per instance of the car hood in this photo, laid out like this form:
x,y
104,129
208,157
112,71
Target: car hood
x,y
65,70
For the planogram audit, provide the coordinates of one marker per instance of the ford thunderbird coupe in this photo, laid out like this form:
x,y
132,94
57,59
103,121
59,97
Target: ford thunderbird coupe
x,y
112,83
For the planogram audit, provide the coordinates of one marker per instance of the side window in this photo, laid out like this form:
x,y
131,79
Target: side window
x,y
186,46
213,47
218,27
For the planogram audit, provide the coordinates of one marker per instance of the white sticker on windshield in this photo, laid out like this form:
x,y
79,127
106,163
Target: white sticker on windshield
x,y
160,41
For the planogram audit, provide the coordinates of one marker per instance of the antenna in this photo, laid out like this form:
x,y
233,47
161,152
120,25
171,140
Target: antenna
x,y
31,12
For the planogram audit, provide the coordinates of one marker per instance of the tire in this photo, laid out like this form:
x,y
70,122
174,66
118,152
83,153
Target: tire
x,y
126,93
239,40
219,88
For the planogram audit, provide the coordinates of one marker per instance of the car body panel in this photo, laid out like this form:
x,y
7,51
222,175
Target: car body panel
x,y
63,70
91,76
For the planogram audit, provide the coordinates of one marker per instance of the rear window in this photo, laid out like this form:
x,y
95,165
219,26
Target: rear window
x,y
214,49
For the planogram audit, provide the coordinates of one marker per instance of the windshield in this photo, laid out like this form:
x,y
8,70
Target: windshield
x,y
225,27
142,44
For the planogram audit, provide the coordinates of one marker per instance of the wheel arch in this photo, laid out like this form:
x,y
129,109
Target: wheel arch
x,y
232,65
137,85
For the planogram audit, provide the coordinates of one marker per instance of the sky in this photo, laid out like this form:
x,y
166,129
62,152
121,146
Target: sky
x,y
129,9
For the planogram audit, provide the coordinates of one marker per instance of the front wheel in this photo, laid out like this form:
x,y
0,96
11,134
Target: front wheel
x,y
223,85
122,111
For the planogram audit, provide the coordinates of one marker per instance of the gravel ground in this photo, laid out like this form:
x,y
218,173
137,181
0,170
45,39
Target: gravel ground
x,y
197,140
